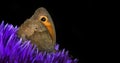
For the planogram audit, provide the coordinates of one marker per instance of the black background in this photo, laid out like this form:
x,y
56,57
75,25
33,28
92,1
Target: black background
x,y
69,18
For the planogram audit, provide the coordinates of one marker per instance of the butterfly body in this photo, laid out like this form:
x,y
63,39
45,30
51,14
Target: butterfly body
x,y
39,29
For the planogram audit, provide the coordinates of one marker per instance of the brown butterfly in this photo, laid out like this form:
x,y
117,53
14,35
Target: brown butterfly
x,y
40,30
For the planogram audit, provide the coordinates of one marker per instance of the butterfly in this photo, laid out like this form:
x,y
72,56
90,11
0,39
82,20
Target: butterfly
x,y
40,30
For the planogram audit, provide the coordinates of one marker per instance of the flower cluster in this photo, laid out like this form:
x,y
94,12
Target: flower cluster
x,y
13,50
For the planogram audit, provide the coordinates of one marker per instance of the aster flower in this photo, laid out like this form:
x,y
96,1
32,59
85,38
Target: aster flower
x,y
13,50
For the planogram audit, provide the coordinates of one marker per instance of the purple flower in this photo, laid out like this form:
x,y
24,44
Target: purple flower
x,y
13,50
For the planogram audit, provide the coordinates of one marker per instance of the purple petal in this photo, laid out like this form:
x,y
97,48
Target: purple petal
x,y
13,50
